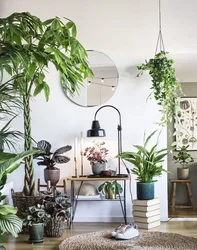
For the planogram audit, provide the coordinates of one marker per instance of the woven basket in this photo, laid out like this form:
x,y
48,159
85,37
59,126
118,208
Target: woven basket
x,y
55,227
22,202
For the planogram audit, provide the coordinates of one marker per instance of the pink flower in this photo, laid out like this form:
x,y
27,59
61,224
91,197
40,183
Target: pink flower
x,y
96,153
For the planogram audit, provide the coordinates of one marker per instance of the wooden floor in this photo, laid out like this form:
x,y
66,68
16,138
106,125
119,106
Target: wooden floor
x,y
188,228
182,213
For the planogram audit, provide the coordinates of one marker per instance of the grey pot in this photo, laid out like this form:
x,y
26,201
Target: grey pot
x,y
52,175
98,167
36,233
183,173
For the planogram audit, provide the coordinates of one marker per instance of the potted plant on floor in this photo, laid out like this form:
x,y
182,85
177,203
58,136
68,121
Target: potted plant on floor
x,y
110,189
183,158
35,218
147,165
97,155
28,45
49,159
57,207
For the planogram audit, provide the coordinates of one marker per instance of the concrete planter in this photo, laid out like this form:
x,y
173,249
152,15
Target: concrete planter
x,y
183,173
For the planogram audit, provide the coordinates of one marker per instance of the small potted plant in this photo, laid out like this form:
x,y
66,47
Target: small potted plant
x,y
147,165
49,159
35,217
97,156
183,158
57,207
110,189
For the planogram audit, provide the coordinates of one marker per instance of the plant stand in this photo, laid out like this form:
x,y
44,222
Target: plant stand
x,y
146,213
189,193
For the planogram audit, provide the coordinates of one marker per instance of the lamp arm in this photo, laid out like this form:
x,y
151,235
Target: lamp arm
x,y
110,106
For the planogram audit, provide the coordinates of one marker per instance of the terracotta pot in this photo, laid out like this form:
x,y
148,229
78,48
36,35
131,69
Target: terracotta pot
x,y
183,173
52,175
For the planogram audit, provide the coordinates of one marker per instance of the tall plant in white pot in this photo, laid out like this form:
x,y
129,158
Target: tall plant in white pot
x,y
27,47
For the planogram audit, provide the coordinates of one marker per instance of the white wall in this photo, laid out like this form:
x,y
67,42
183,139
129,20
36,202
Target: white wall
x,y
126,31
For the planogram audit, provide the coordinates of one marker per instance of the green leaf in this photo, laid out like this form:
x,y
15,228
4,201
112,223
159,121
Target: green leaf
x,y
46,91
7,209
11,224
38,89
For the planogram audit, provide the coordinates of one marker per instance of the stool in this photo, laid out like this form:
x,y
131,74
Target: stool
x,y
189,193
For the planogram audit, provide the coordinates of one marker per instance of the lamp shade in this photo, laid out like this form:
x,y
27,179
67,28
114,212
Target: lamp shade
x,y
96,130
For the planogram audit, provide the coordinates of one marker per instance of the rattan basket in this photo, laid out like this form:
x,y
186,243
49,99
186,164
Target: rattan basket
x,y
55,227
22,202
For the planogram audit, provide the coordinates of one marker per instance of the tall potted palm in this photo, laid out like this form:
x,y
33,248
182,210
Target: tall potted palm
x,y
148,163
27,47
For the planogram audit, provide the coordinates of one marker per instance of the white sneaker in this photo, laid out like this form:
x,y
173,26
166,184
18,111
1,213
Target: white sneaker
x,y
130,232
119,229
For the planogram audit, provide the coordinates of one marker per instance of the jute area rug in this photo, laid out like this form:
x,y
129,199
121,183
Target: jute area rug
x,y
145,241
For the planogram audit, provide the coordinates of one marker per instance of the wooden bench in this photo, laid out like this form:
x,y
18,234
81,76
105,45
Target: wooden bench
x,y
189,193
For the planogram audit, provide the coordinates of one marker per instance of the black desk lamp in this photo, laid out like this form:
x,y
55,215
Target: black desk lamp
x,y
96,131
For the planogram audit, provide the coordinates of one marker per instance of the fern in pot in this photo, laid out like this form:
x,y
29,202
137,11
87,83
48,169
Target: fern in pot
x,y
148,163
183,158
50,159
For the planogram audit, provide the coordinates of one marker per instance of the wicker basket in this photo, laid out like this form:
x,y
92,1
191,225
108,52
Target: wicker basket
x,y
22,202
55,227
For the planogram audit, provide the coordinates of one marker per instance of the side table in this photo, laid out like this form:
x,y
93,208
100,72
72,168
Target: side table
x,y
189,193
74,199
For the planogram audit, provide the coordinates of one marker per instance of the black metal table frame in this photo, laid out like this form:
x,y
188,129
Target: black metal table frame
x,y
74,201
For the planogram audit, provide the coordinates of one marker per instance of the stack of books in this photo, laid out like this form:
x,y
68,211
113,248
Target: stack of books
x,y
146,213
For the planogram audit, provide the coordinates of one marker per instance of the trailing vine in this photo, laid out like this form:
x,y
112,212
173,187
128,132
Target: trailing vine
x,y
165,87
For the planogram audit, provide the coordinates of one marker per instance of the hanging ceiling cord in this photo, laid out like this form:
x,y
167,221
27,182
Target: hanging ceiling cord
x,y
160,43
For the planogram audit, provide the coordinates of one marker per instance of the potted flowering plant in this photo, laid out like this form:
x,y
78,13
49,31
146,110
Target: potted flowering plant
x,y
97,156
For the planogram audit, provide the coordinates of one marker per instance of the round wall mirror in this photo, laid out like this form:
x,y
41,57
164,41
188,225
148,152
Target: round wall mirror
x,y
99,89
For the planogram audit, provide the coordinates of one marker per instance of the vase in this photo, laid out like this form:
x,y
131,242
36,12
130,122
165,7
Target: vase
x,y
98,167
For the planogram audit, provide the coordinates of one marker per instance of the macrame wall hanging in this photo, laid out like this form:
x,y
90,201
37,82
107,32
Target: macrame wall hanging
x,y
165,87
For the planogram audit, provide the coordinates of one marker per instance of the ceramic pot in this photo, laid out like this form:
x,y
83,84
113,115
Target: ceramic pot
x,y
52,175
145,191
36,233
98,167
183,173
110,195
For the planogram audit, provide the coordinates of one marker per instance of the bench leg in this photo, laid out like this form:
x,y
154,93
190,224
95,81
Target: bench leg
x,y
190,196
173,195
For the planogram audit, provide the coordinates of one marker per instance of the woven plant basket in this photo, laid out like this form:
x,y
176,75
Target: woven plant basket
x,y
55,227
22,202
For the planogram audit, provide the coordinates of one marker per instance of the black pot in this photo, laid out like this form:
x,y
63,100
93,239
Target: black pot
x,y
145,191
52,175
36,233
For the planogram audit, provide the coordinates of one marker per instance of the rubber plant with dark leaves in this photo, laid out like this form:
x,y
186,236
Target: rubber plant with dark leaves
x,y
50,159
165,86
27,47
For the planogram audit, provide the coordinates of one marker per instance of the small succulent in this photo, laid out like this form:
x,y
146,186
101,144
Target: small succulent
x,y
49,159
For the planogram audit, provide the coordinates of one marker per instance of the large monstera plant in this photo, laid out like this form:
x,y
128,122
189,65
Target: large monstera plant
x,y
27,46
